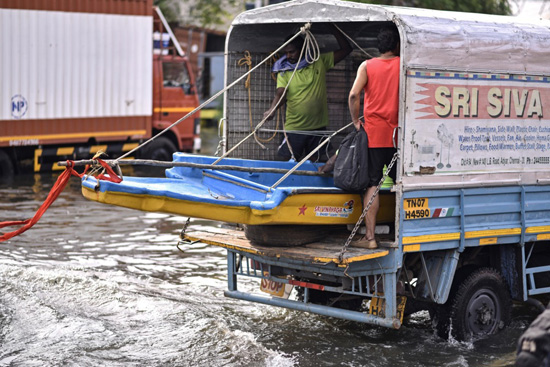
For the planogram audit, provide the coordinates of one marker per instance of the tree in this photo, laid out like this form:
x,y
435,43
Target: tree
x,y
206,13
500,7
213,12
170,9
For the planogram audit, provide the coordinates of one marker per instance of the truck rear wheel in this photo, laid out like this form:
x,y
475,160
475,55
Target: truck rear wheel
x,y
7,170
479,305
284,235
160,149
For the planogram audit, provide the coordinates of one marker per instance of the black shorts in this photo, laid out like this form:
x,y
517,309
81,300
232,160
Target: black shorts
x,y
378,158
302,144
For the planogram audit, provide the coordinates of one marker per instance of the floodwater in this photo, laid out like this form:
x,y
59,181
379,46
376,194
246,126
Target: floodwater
x,y
92,285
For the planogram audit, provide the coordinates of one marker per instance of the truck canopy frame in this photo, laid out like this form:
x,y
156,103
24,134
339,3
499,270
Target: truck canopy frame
x,y
468,55
430,39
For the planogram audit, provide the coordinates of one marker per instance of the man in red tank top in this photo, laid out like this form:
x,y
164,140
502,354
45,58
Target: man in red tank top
x,y
379,79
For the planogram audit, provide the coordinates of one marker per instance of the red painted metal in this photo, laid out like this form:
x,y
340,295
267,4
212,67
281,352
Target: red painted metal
x,y
124,7
307,285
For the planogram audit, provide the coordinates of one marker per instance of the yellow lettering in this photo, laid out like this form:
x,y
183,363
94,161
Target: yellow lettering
x,y
475,94
507,102
444,104
535,104
493,98
519,104
461,97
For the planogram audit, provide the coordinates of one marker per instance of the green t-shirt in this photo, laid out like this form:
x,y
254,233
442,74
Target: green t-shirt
x,y
306,98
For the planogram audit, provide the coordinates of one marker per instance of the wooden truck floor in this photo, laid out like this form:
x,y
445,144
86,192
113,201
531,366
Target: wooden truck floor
x,y
325,251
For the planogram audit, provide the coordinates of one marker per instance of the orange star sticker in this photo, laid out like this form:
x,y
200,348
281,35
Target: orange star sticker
x,y
302,210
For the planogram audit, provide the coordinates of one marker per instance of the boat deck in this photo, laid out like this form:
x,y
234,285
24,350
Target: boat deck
x,y
325,251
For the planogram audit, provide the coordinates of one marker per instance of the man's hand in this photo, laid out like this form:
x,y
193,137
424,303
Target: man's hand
x,y
279,96
268,115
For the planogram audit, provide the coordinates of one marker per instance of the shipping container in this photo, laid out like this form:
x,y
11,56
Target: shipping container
x,y
79,77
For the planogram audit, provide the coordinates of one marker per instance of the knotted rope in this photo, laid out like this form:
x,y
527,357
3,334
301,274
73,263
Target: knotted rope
x,y
311,48
247,61
54,193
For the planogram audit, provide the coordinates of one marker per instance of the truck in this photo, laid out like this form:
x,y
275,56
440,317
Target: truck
x,y
80,77
470,234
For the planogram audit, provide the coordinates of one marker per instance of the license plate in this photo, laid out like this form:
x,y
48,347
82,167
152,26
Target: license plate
x,y
378,307
276,289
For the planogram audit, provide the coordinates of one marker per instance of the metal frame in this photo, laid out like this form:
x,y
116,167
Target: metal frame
x,y
238,265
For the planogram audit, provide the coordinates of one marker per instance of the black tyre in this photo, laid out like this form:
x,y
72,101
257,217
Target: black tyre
x,y
160,149
284,235
7,170
478,305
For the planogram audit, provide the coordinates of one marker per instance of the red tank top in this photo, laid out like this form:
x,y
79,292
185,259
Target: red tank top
x,y
381,102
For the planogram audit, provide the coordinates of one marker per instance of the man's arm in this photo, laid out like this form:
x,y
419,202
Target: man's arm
x,y
355,93
345,48
279,96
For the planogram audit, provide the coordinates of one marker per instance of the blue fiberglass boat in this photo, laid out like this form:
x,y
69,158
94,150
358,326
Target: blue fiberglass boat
x,y
237,195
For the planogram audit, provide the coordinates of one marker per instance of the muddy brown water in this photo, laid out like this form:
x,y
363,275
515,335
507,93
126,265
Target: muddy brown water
x,y
94,285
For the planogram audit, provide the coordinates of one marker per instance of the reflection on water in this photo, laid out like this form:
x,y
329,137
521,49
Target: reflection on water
x,y
92,285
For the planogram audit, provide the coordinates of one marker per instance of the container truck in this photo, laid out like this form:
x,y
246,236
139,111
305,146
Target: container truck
x,y
80,77
471,231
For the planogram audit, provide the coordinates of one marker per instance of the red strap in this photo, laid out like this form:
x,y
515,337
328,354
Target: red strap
x,y
57,188
60,184
113,177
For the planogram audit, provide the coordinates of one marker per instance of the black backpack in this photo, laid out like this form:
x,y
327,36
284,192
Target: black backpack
x,y
350,167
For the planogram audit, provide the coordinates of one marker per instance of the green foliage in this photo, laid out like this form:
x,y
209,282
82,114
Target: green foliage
x,y
206,13
500,7
212,12
170,9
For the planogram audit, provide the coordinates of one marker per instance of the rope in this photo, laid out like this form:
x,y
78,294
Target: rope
x,y
247,61
369,204
290,171
54,193
305,30
58,187
166,164
321,133
221,137
312,54
216,95
352,41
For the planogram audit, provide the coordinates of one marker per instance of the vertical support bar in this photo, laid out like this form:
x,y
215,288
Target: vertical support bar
x,y
399,212
390,280
248,265
231,275
523,220
523,272
462,223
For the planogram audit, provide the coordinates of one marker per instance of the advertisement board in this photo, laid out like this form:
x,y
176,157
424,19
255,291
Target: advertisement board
x,y
472,122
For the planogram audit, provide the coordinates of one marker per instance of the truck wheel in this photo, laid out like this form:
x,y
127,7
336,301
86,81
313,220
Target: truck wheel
x,y
6,167
480,305
284,235
160,149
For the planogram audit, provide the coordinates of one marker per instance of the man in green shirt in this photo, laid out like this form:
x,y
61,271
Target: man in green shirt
x,y
306,96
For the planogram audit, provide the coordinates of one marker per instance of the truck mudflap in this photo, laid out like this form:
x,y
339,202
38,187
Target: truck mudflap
x,y
361,287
